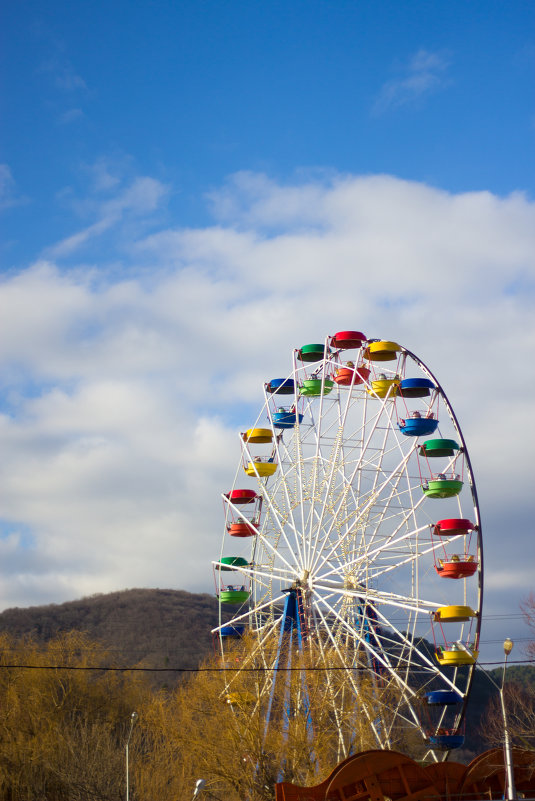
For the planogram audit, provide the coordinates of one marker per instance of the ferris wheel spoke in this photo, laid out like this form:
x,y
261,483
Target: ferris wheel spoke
x,y
331,695
350,677
403,521
328,472
396,494
379,471
276,573
413,557
390,598
318,477
414,650
319,518
280,530
285,477
378,655
384,645
368,555
366,507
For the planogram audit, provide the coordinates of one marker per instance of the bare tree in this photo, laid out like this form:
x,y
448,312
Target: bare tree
x,y
520,705
528,610
519,700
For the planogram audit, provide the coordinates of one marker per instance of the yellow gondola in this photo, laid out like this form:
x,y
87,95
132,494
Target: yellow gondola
x,y
383,351
381,387
454,614
261,468
258,435
454,657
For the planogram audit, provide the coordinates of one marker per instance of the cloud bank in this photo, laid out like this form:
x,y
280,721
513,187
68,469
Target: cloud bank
x,y
124,386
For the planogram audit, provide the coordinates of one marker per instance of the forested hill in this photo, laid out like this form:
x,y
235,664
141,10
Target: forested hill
x,y
149,628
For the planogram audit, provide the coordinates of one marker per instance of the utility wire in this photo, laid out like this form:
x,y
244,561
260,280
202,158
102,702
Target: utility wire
x,y
225,670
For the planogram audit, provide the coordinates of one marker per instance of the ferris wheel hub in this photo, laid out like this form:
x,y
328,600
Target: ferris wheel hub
x,y
351,583
304,581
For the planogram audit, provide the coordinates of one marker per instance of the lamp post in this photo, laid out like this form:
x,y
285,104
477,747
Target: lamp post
x,y
508,755
133,718
199,786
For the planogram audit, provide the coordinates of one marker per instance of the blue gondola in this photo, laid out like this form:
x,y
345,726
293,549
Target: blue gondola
x,y
281,386
284,418
416,388
443,697
237,630
418,426
446,742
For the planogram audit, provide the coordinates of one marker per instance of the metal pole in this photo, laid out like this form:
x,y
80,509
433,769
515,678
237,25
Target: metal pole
x,y
200,784
133,718
508,754
127,772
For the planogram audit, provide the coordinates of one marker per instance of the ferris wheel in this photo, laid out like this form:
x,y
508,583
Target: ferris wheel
x,y
353,526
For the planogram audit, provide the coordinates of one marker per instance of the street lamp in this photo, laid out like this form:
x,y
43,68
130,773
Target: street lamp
x,y
133,718
199,785
510,789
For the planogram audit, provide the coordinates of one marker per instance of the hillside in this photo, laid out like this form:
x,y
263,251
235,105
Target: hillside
x,y
149,628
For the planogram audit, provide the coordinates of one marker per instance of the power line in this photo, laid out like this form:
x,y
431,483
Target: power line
x,y
105,669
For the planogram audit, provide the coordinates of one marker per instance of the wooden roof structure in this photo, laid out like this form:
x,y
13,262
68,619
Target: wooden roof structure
x,y
392,776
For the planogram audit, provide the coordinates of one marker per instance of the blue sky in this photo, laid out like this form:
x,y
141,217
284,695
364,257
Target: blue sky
x,y
192,92
196,188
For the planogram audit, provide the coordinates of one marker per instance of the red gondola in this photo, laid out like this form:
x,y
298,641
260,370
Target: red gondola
x,y
449,564
242,523
349,374
344,340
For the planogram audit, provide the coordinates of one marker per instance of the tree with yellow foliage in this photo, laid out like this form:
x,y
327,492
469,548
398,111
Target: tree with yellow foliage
x,y
63,719
242,727
239,722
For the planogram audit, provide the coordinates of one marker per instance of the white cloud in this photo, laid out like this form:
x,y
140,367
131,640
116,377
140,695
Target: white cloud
x,y
71,115
105,173
8,191
6,186
425,73
123,394
141,197
63,73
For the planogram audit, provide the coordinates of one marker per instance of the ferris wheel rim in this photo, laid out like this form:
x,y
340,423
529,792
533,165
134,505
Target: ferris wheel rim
x,y
294,533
